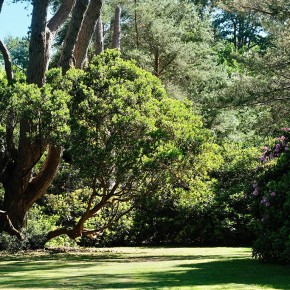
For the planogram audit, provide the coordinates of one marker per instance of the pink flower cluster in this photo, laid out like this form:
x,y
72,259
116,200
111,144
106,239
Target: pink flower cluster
x,y
280,147
265,200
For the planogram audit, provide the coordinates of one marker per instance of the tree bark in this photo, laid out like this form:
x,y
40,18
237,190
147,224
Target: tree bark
x,y
67,59
7,61
7,225
40,183
116,41
21,191
157,62
86,32
37,48
61,15
99,44
55,22
136,24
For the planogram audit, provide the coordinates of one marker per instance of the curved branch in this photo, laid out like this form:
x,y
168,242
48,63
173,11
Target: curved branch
x,y
39,184
7,226
7,59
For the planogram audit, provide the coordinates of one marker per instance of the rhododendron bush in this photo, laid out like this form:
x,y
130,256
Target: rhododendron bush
x,y
271,201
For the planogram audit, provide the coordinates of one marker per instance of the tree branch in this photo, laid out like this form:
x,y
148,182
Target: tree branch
x,y
61,15
7,226
7,59
167,64
39,184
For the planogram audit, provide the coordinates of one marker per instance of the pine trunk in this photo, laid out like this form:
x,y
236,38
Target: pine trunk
x,y
116,41
86,32
99,44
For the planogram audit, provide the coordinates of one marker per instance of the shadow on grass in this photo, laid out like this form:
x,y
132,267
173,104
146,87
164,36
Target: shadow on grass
x,y
20,273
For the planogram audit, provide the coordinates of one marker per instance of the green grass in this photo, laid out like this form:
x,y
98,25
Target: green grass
x,y
141,268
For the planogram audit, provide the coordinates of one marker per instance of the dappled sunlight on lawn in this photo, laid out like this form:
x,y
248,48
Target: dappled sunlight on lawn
x,y
142,268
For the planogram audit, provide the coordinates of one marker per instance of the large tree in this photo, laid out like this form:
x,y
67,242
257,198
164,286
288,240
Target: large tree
x,y
23,143
128,138
264,83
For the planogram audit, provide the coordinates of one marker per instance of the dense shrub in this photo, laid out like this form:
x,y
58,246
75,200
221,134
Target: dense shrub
x,y
34,234
212,211
271,202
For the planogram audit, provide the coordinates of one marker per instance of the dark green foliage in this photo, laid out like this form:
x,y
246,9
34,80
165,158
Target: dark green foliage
x,y
38,224
243,29
271,201
18,48
206,213
128,139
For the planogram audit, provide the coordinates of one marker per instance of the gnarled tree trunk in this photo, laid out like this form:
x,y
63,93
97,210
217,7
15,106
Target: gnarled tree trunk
x,y
17,163
22,190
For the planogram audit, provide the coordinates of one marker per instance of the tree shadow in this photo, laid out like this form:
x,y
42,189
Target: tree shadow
x,y
224,271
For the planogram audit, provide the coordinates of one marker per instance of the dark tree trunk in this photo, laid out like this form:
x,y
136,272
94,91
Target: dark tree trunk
x,y
157,62
136,25
55,22
1,4
116,41
86,32
99,44
37,48
67,59
21,190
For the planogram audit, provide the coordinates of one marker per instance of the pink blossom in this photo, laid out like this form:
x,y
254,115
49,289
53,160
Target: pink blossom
x,y
265,148
282,138
255,192
267,204
273,193
264,199
286,148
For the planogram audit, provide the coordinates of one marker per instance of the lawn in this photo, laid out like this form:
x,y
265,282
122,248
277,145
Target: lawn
x,y
141,268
